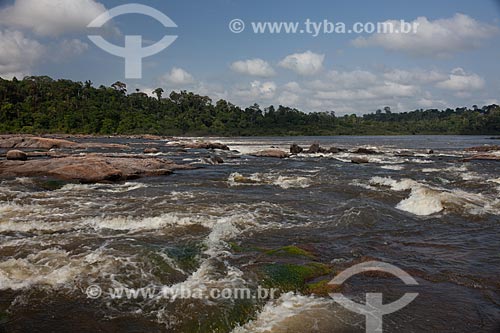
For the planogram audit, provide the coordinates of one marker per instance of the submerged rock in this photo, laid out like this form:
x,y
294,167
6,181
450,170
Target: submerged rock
x,y
359,160
237,178
16,155
295,149
276,153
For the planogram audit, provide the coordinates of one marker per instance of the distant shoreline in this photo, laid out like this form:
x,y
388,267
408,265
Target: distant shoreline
x,y
166,137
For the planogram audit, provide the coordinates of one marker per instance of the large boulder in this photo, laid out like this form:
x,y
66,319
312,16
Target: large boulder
x,y
295,149
276,153
35,142
315,149
90,168
16,155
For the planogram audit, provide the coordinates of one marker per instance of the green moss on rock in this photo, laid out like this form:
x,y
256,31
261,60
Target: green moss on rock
x,y
291,250
293,277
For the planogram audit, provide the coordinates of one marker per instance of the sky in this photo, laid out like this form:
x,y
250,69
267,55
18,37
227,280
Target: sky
x,y
451,60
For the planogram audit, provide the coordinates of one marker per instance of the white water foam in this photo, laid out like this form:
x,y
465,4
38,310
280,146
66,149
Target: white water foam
x,y
426,200
54,268
285,182
110,188
277,313
392,167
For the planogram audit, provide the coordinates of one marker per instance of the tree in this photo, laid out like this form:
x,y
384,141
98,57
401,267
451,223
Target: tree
x,y
41,104
120,86
158,92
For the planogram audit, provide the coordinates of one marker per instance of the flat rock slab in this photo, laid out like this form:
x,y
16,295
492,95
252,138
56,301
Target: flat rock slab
x,y
483,157
33,142
276,153
91,168
483,148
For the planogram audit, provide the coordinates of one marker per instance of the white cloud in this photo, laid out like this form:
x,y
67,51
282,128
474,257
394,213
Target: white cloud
x,y
177,76
458,80
51,17
439,38
253,67
292,87
18,54
414,76
351,79
384,90
257,91
71,47
288,99
307,63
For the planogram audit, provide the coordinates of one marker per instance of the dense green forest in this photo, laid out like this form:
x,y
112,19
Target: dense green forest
x,y
43,105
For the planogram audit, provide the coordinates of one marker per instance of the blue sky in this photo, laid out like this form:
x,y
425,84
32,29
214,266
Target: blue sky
x,y
451,60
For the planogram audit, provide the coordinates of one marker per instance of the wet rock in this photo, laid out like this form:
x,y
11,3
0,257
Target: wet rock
x,y
214,160
90,168
335,150
16,155
295,149
35,142
244,180
483,157
366,151
276,153
206,145
483,149
315,149
151,151
150,137
359,160
99,145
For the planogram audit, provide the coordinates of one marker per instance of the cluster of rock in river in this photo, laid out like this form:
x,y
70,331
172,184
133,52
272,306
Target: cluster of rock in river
x,y
68,160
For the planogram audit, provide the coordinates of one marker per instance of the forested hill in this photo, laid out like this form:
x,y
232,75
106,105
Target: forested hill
x,y
44,105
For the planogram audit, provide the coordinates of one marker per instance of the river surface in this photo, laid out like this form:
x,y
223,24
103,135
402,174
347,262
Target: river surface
x,y
222,226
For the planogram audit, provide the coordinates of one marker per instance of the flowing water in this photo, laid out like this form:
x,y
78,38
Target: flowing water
x,y
434,216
